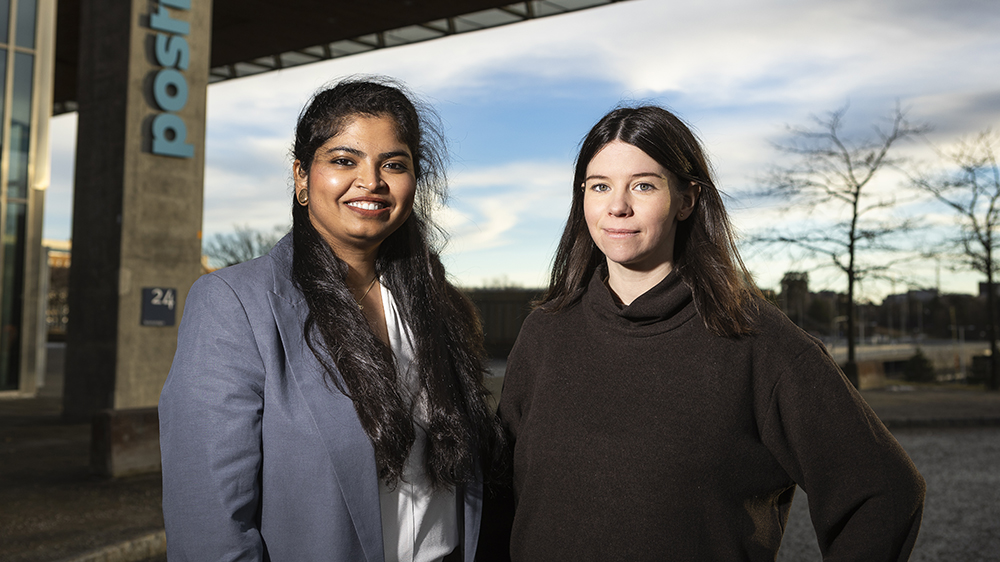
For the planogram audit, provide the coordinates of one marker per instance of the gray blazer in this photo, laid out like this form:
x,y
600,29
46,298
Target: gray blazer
x,y
263,459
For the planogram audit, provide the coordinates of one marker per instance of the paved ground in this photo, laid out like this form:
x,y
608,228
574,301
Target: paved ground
x,y
962,510
53,509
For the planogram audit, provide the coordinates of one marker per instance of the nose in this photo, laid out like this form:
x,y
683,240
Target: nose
x,y
369,177
620,204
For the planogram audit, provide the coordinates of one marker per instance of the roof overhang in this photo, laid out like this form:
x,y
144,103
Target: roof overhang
x,y
254,36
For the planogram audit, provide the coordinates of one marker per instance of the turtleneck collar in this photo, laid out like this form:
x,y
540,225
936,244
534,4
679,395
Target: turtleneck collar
x,y
660,309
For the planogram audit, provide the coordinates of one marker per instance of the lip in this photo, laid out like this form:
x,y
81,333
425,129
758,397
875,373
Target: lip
x,y
619,232
383,206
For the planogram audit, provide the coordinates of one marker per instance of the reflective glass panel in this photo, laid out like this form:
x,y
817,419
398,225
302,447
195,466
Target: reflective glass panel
x,y
4,20
25,32
3,86
13,291
20,127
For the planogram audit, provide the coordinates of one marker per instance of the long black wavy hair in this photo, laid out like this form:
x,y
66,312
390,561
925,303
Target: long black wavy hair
x,y
704,247
447,334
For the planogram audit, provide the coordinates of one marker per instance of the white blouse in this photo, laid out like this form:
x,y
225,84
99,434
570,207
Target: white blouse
x,y
419,523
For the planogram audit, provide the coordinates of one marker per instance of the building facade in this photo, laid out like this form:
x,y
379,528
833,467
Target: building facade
x,y
136,72
27,31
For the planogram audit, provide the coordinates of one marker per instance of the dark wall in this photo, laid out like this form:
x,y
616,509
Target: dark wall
x,y
502,311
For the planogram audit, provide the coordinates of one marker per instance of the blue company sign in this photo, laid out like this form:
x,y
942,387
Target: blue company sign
x,y
170,89
158,306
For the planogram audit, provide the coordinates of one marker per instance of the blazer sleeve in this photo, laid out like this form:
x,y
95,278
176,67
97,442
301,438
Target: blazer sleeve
x,y
865,495
210,430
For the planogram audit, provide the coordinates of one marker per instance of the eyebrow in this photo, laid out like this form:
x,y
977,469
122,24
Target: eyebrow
x,y
634,176
359,153
395,154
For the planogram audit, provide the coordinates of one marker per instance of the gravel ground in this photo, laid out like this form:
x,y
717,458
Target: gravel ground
x,y
962,511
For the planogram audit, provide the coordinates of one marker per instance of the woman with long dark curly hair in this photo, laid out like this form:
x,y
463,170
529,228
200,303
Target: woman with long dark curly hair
x,y
326,401
659,408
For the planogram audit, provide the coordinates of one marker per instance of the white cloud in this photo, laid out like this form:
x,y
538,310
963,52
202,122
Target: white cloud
x,y
246,183
738,71
505,204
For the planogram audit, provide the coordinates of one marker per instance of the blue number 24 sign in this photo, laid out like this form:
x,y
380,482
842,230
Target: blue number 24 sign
x,y
158,305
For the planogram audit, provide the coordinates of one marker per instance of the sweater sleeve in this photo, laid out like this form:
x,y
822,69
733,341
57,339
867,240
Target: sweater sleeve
x,y
516,378
865,495
210,430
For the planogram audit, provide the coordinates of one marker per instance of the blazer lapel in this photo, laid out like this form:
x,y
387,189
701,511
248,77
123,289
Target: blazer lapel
x,y
337,423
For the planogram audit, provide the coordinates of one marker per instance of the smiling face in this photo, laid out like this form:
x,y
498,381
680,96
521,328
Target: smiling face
x,y
361,185
632,208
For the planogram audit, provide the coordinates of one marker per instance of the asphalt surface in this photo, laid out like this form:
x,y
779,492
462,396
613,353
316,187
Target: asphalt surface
x,y
53,509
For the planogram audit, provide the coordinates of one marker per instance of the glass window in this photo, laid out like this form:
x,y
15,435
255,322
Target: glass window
x,y
25,32
13,295
3,87
20,126
4,20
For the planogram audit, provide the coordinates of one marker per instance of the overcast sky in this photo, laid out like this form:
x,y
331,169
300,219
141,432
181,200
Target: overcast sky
x,y
516,100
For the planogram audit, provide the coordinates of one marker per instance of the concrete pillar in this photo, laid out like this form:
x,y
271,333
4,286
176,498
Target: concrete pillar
x,y
137,208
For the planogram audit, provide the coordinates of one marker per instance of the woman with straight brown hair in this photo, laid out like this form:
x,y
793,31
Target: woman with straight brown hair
x,y
658,408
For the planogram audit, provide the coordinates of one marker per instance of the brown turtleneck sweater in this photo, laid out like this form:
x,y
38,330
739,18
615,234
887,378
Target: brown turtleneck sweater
x,y
638,434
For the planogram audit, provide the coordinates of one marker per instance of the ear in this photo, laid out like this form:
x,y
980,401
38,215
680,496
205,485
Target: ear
x,y
688,200
300,176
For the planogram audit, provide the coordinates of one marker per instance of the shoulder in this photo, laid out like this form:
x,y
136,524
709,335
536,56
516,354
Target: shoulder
x,y
254,274
543,325
779,354
775,331
542,331
270,272
544,317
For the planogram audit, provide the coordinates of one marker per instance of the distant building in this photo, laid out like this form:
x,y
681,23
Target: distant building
x,y
794,297
983,290
27,45
915,295
502,312
57,306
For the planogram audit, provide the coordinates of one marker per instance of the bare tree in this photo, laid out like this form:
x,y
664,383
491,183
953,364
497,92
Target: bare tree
x,y
832,172
970,187
243,244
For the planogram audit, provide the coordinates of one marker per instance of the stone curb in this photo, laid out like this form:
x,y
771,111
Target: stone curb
x,y
135,550
941,423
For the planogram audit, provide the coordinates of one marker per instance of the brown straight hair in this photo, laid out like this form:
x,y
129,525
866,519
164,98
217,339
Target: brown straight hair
x,y
705,251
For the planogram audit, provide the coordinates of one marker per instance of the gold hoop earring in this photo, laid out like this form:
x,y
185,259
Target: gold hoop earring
x,y
302,197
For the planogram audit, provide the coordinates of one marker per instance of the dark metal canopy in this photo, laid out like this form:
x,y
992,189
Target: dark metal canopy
x,y
254,36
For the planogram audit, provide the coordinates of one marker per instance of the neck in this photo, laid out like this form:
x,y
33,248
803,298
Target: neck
x,y
628,284
360,275
360,267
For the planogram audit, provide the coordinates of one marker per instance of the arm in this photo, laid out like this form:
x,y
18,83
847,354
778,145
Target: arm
x,y
865,495
210,431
